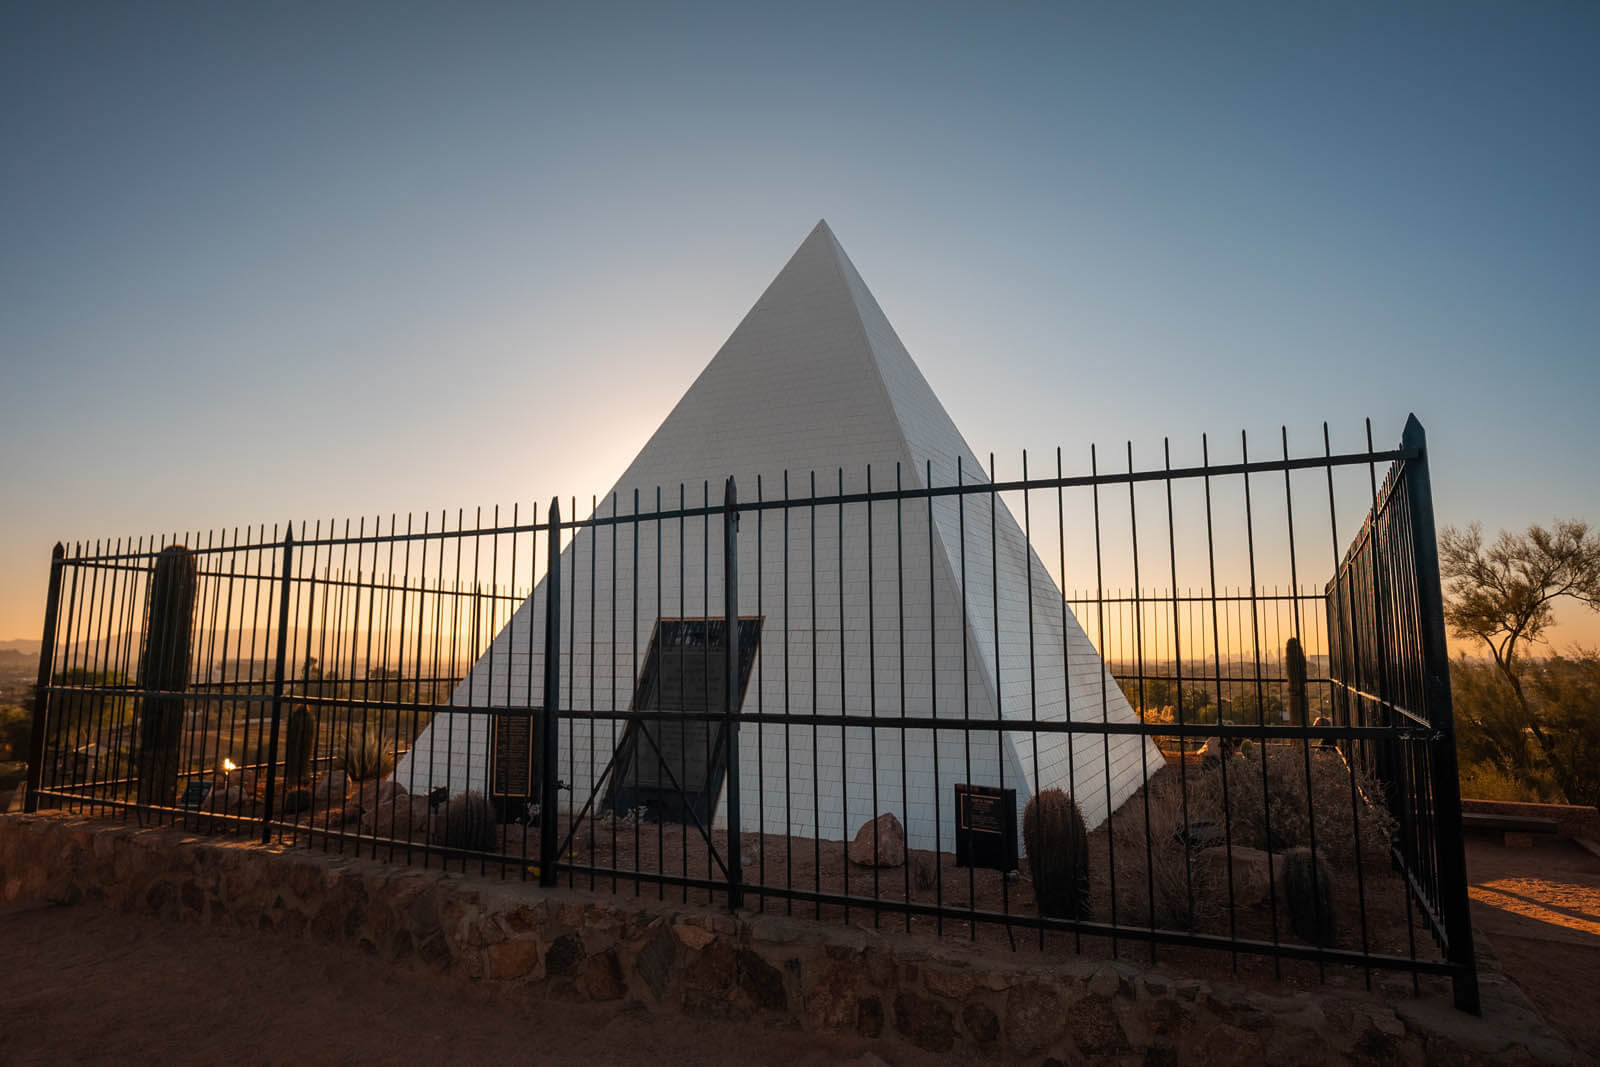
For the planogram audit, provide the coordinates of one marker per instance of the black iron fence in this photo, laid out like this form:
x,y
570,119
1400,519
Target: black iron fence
x,y
834,696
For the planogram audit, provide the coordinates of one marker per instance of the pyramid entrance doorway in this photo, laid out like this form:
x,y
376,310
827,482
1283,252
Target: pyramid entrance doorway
x,y
671,760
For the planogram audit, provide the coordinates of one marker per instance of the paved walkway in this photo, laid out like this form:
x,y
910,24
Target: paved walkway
x,y
1539,908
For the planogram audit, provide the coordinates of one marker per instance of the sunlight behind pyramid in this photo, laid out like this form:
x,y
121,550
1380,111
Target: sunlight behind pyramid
x,y
811,391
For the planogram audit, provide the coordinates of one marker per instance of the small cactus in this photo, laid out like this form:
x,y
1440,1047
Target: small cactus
x,y
296,801
468,823
302,738
1309,893
1058,855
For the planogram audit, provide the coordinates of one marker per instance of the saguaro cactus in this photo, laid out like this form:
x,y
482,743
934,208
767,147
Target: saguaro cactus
x,y
302,738
164,671
1294,658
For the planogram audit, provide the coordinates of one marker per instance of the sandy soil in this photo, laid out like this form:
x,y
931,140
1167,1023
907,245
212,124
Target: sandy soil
x,y
1539,908
1368,898
87,985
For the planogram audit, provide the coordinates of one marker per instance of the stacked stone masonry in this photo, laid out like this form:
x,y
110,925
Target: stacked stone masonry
x,y
792,974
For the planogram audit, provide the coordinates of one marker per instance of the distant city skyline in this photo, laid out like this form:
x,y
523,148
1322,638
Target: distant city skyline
x,y
279,263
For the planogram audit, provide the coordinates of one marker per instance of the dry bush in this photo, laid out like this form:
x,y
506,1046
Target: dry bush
x,y
1276,809
1162,873
367,756
1169,890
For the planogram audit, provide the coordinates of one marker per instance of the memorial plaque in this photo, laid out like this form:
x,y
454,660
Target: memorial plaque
x,y
986,827
511,758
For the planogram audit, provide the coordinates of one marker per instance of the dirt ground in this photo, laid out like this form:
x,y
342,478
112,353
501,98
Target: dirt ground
x,y
1539,908
88,985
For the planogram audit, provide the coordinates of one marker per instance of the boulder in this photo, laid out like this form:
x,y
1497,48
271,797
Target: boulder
x,y
330,789
880,843
374,793
400,816
224,800
1252,873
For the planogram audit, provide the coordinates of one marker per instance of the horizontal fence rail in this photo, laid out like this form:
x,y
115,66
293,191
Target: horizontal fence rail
x,y
850,695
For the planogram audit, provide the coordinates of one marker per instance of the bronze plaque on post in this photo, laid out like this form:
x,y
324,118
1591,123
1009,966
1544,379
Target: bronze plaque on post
x,y
986,827
511,762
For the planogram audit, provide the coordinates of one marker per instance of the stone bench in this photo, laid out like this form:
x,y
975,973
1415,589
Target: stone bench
x,y
1518,829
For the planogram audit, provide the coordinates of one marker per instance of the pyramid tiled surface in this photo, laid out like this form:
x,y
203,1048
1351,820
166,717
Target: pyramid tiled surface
x,y
814,384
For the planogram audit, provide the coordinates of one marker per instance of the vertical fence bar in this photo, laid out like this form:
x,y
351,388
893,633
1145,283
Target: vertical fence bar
x,y
41,694
550,747
285,581
730,615
1452,860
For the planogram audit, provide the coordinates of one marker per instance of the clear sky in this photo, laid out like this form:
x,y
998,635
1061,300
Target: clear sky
x,y
261,262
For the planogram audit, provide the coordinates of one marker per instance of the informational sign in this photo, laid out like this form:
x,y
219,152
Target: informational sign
x,y
986,827
511,773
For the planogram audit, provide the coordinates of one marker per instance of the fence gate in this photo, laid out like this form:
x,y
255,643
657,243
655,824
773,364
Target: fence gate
x,y
1390,669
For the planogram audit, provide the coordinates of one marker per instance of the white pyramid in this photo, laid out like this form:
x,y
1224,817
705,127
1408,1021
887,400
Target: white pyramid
x,y
814,380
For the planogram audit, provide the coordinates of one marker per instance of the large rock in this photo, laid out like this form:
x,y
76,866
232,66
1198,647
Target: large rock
x,y
373,793
330,790
224,799
926,1023
373,800
1252,874
880,843
1034,1017
402,817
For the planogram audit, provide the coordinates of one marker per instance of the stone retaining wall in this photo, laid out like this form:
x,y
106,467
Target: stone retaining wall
x,y
561,944
1570,820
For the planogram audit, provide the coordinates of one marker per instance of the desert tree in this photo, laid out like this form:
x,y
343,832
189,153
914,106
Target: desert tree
x,y
1503,593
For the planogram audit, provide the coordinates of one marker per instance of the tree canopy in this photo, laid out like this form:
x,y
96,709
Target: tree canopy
x,y
1502,593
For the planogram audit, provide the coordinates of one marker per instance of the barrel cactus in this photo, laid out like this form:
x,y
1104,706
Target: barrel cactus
x,y
1058,855
468,823
1308,891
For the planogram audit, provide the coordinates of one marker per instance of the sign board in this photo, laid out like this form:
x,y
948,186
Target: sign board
x,y
986,827
511,761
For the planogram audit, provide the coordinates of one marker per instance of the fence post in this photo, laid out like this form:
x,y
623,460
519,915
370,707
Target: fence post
x,y
550,747
730,615
1452,857
41,691
277,680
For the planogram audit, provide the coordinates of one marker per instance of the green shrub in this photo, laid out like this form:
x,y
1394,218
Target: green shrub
x,y
1309,893
16,727
469,823
1058,855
